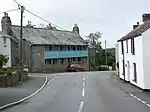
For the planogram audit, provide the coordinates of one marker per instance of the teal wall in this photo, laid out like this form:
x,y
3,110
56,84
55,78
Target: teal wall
x,y
65,54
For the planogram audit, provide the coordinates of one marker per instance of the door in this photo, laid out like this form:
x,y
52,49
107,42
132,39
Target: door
x,y
128,67
135,73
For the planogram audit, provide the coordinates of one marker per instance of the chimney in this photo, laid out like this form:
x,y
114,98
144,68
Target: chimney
x,y
135,26
145,17
6,24
76,29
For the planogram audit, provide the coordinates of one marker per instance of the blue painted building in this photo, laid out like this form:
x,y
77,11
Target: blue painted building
x,y
51,50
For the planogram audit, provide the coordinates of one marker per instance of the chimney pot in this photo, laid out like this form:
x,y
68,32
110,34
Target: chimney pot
x,y
135,26
76,29
145,17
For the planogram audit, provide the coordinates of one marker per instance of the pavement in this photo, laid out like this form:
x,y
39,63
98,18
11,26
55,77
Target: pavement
x,y
86,92
14,94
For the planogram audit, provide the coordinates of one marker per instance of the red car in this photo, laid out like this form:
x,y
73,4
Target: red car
x,y
75,68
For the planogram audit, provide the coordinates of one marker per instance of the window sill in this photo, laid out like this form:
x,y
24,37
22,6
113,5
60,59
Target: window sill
x,y
134,81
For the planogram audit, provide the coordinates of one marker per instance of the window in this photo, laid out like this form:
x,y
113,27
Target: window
x,y
74,59
61,48
48,48
62,61
54,61
78,47
68,60
122,50
79,59
74,48
132,46
127,45
68,48
48,61
135,73
55,48
4,41
84,47
84,58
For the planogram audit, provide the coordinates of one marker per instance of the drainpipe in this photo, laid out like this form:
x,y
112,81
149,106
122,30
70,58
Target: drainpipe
x,y
123,61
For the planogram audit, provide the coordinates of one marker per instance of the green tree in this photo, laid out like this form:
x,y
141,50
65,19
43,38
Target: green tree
x,y
95,49
3,60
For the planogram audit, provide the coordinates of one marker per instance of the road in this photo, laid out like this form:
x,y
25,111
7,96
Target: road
x,y
81,92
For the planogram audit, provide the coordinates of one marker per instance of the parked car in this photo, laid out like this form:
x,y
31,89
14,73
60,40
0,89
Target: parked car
x,y
75,68
104,68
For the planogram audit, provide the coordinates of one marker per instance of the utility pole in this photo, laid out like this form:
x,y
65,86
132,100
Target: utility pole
x,y
105,52
94,50
22,8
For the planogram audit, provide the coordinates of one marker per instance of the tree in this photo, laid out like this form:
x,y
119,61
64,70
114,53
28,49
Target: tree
x,y
94,51
3,60
93,38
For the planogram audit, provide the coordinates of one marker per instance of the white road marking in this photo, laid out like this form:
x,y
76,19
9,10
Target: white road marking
x,y
143,102
148,105
83,84
81,106
83,92
139,99
84,78
50,81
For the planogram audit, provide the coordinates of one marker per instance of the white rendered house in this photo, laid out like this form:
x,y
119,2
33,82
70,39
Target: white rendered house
x,y
134,55
8,47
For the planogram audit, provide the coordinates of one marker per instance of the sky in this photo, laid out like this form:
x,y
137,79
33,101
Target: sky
x,y
113,18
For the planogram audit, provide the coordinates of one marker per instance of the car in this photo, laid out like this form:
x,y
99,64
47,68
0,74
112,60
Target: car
x,y
104,68
75,68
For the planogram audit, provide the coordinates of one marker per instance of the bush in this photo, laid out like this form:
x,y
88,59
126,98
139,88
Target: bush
x,y
3,60
2,72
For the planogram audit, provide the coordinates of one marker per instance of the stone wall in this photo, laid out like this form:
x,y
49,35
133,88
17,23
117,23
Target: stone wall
x,y
9,80
37,57
14,54
55,68
26,51
13,79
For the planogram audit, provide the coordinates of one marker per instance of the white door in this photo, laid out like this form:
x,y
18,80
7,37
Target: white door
x,y
128,66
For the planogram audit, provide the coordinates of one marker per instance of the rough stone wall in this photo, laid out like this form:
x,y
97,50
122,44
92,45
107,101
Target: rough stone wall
x,y
14,54
25,52
37,57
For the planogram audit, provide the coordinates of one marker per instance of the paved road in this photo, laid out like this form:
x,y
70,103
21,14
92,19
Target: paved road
x,y
13,94
82,92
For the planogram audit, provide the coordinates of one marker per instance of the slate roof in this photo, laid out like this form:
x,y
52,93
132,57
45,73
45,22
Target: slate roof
x,y
50,37
137,31
2,34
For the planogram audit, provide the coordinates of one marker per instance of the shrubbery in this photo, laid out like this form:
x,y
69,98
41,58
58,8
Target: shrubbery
x,y
3,60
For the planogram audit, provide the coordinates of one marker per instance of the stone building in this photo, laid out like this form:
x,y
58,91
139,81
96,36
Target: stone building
x,y
49,49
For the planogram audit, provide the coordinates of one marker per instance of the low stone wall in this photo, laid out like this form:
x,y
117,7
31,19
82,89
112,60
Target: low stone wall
x,y
13,79
23,76
55,68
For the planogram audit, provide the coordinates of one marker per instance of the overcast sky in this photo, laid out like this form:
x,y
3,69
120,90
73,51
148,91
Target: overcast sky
x,y
113,18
